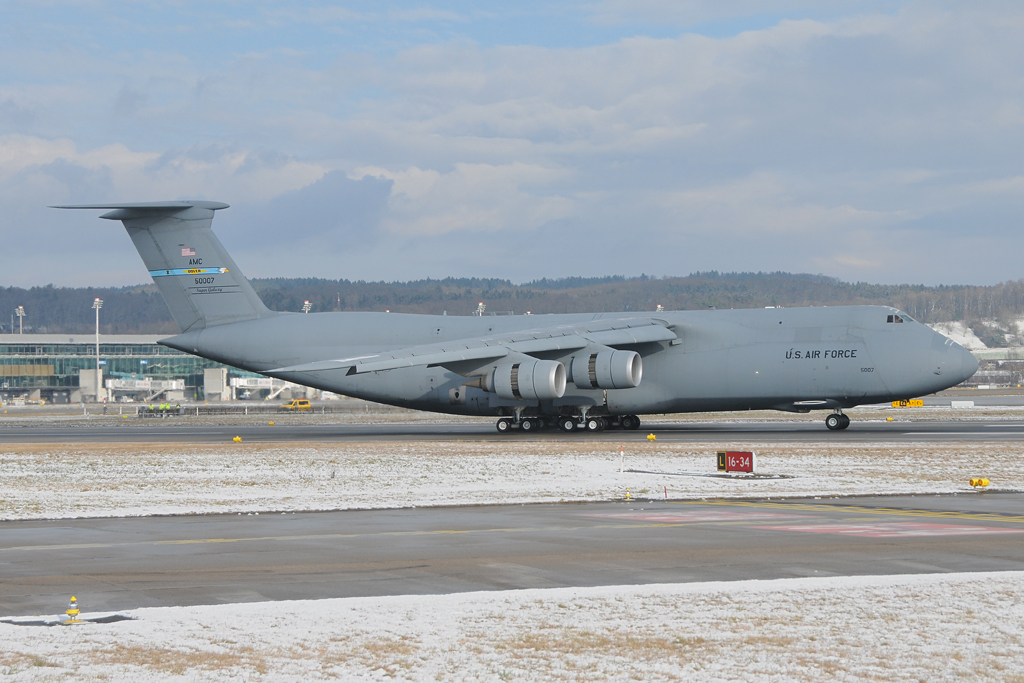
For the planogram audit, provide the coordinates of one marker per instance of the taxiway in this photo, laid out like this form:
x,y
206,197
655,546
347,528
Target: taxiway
x,y
113,564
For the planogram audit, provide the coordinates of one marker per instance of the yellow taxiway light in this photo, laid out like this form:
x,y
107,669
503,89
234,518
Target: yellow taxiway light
x,y
73,611
979,482
237,439
651,437
271,423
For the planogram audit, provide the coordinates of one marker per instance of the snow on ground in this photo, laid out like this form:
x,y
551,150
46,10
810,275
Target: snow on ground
x,y
961,334
62,416
96,480
939,627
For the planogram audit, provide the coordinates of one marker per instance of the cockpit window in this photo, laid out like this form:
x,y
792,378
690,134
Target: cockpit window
x,y
894,319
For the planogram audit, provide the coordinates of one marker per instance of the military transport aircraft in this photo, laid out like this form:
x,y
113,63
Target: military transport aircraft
x,y
575,372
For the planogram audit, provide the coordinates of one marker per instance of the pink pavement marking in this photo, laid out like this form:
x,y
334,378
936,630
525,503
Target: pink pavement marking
x,y
893,529
695,516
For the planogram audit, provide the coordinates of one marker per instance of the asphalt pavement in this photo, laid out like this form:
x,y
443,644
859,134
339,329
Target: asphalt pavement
x,y
182,430
116,564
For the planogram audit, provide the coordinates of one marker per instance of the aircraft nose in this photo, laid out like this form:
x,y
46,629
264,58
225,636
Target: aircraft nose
x,y
968,364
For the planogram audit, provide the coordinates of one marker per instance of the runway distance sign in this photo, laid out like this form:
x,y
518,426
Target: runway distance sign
x,y
912,403
736,461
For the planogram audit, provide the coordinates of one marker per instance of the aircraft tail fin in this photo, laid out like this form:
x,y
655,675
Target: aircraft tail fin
x,y
194,273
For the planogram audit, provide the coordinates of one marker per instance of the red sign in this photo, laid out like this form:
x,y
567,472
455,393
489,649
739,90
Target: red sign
x,y
736,461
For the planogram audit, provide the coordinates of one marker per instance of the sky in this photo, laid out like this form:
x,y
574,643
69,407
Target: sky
x,y
877,141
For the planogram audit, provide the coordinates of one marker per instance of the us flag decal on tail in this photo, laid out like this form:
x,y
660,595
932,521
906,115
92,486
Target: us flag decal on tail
x,y
188,251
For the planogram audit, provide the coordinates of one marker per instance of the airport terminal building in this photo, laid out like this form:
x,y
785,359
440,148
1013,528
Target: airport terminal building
x,y
61,368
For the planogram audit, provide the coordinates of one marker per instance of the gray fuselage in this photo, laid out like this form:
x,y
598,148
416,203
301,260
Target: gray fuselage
x,y
793,359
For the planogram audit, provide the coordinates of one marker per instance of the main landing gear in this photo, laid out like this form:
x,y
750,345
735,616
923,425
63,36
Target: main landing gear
x,y
596,423
569,423
837,421
527,425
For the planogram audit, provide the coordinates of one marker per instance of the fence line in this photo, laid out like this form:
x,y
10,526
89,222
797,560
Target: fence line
x,y
259,409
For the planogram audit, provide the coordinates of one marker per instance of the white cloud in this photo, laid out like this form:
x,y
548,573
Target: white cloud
x,y
471,197
762,204
817,141
178,173
688,13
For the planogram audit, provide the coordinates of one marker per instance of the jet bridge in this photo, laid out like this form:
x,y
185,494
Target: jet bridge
x,y
147,389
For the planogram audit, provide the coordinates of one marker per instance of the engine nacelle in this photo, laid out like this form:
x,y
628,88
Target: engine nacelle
x,y
607,370
533,380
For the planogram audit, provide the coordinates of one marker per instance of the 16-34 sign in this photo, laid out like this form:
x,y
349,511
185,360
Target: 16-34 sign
x,y
736,461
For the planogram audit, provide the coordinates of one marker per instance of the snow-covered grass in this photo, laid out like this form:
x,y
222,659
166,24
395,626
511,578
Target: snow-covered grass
x,y
61,416
124,416
949,627
97,480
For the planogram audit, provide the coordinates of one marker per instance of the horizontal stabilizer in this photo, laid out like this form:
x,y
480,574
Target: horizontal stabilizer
x,y
150,206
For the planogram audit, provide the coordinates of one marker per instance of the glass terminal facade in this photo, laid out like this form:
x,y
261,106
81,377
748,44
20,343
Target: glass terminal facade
x,y
48,365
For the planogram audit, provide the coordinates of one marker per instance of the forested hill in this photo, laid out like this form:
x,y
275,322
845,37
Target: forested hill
x,y
140,309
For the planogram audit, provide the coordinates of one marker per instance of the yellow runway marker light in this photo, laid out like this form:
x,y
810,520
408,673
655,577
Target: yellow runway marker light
x,y
651,437
271,423
888,419
237,439
979,482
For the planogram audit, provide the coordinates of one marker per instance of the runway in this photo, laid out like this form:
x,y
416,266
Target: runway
x,y
180,430
114,564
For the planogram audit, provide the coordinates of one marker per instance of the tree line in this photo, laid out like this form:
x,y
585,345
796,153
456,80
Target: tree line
x,y
141,310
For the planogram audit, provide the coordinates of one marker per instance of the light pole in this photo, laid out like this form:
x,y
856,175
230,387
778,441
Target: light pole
x,y
20,312
98,304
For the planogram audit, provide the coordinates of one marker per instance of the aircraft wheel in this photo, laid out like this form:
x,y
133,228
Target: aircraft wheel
x,y
846,421
529,425
594,424
504,425
630,422
567,424
835,421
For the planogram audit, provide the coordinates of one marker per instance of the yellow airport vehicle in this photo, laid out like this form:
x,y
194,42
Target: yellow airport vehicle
x,y
298,405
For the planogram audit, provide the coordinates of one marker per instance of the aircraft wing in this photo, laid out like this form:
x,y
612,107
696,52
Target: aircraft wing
x,y
619,332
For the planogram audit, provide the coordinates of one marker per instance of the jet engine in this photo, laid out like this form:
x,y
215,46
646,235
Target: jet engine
x,y
532,380
607,370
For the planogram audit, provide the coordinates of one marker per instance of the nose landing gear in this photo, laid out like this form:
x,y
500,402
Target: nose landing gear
x,y
837,421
